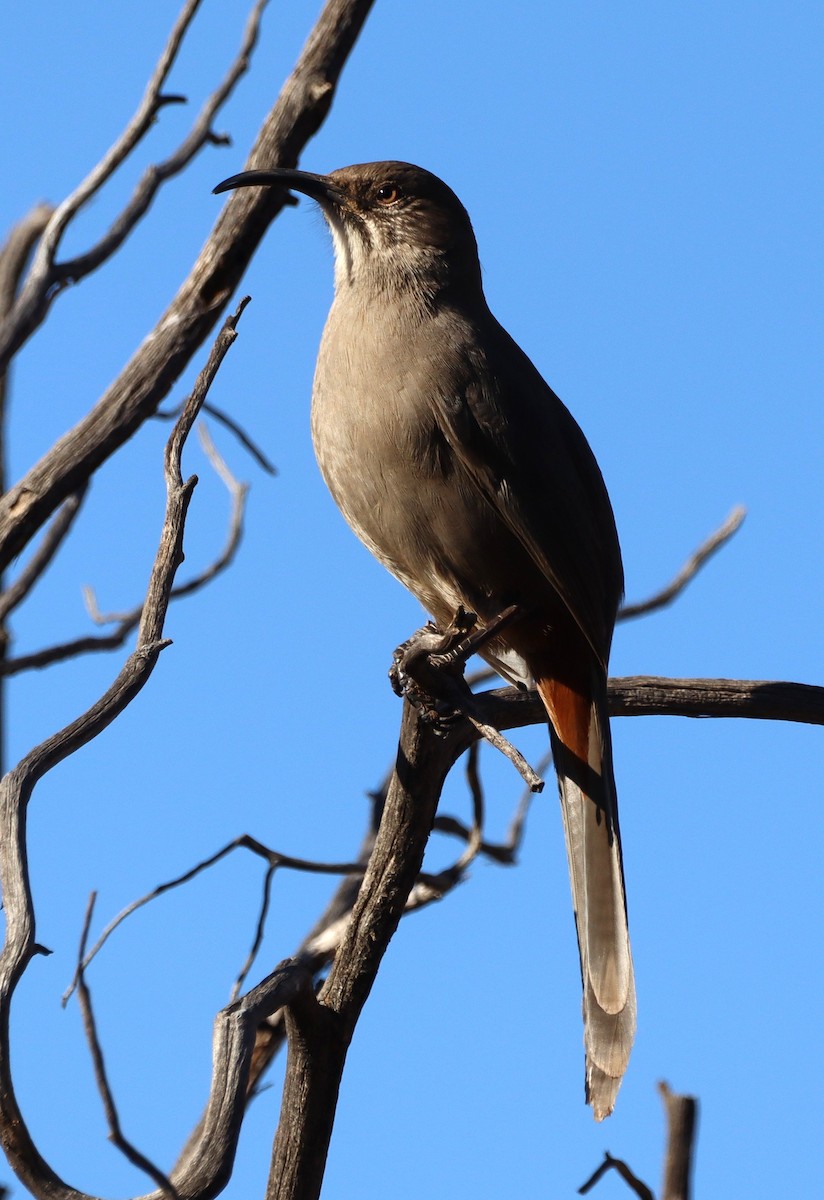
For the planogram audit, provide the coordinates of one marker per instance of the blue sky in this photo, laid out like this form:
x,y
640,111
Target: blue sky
x,y
645,182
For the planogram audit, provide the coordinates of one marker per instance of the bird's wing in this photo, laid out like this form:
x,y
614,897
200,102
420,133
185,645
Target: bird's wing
x,y
531,461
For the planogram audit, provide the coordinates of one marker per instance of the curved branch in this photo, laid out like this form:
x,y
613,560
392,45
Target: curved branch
x,y
246,215
200,135
17,787
125,621
16,250
689,570
34,300
53,539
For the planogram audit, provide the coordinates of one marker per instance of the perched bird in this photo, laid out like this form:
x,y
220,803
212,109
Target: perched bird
x,y
462,471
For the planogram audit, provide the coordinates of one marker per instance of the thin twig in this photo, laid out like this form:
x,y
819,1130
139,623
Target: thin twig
x,y
200,135
52,540
505,853
273,858
47,277
234,427
530,777
689,570
260,929
116,1135
616,1164
127,621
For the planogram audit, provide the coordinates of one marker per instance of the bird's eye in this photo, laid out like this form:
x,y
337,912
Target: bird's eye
x,y
388,193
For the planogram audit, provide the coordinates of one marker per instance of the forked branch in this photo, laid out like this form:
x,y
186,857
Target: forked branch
x,y
147,378
48,277
16,790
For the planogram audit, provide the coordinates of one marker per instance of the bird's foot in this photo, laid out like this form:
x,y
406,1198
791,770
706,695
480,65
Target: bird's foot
x,y
427,669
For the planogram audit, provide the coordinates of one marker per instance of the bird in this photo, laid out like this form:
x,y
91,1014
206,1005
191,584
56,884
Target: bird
x,y
456,464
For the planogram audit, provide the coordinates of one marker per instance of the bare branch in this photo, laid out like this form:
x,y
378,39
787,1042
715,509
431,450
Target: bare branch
x,y
689,570
504,853
616,1164
273,858
146,379
201,134
126,621
53,539
101,1078
16,250
761,700
240,433
530,777
17,786
682,1121
652,695
260,929
34,300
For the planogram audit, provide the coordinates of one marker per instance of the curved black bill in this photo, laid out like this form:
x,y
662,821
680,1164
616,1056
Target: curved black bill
x,y
318,187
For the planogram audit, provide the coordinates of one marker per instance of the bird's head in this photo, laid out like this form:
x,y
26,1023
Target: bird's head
x,y
394,225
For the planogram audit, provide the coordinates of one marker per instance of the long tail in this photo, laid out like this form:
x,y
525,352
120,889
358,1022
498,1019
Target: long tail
x,y
579,728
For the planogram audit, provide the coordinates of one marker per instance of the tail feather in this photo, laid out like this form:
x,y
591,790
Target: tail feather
x,y
579,730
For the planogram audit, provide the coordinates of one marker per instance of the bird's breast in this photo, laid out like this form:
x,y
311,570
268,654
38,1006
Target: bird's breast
x,y
377,430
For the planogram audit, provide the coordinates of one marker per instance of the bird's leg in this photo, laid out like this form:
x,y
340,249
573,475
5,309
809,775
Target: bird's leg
x,y
428,668
478,637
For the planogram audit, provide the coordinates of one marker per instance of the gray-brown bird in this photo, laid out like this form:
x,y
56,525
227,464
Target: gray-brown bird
x,y
462,471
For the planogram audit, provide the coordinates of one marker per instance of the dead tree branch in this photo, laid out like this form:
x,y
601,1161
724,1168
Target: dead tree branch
x,y
648,695
682,1115
16,790
689,570
147,378
126,622
682,1124
620,1167
116,1135
273,858
200,135
47,277
53,538
234,428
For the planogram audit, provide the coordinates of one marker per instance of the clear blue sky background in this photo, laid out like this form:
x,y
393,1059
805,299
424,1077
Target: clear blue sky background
x,y
645,181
